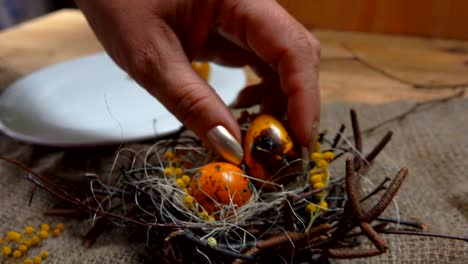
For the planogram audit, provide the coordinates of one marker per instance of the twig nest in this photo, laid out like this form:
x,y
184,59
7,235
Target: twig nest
x,y
220,183
268,151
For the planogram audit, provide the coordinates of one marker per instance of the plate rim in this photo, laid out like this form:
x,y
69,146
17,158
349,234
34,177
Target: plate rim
x,y
37,140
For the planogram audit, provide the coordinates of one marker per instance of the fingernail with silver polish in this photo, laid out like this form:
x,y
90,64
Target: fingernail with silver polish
x,y
225,144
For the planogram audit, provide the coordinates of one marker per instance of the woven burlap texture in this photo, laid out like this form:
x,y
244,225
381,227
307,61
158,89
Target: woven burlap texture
x,y
431,140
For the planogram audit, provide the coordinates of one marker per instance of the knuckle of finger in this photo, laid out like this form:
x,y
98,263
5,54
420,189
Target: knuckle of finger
x,y
315,45
311,46
191,102
143,64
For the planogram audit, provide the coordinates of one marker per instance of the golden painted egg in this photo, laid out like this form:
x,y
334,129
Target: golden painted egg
x,y
268,151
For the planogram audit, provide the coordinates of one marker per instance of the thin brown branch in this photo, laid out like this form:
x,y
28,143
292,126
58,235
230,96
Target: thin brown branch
x,y
94,232
351,189
356,131
68,212
373,236
377,189
347,253
357,140
286,238
387,197
202,244
293,237
43,182
313,192
337,138
422,233
414,224
379,147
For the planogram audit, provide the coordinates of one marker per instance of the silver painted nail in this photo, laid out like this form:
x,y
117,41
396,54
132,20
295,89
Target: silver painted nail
x,y
225,144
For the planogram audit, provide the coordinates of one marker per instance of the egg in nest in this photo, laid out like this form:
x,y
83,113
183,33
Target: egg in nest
x,y
269,151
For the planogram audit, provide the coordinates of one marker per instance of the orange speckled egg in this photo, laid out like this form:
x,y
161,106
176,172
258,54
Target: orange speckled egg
x,y
220,182
267,149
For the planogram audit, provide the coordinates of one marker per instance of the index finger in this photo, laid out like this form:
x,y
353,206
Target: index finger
x,y
264,27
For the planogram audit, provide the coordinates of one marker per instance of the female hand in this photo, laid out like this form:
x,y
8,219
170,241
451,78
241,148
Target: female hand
x,y
155,41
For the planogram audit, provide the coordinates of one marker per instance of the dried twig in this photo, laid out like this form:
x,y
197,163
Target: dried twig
x,y
351,190
422,233
347,253
377,189
387,198
373,236
337,138
203,244
287,238
94,232
379,147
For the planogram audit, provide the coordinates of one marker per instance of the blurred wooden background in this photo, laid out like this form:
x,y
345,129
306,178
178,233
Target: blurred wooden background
x,y
429,18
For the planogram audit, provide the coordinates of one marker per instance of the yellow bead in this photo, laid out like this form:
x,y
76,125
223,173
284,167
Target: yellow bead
x,y
211,218
178,172
17,254
318,185
60,226
323,164
6,251
316,156
169,155
317,147
45,227
29,230
28,261
168,171
323,205
23,248
311,208
27,242
316,178
188,200
314,171
186,179
43,234
35,240
44,254
56,232
13,236
328,156
1,240
204,215
181,183
37,260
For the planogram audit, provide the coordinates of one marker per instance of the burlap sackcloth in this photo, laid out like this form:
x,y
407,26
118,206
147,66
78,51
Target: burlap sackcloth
x,y
432,141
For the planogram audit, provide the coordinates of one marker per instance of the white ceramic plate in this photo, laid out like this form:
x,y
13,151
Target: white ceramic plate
x,y
89,100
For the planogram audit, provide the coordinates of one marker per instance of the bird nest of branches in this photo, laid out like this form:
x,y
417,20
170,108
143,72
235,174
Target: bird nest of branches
x,y
274,207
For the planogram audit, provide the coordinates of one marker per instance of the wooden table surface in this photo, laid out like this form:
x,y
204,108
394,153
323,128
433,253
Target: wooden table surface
x,y
355,66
